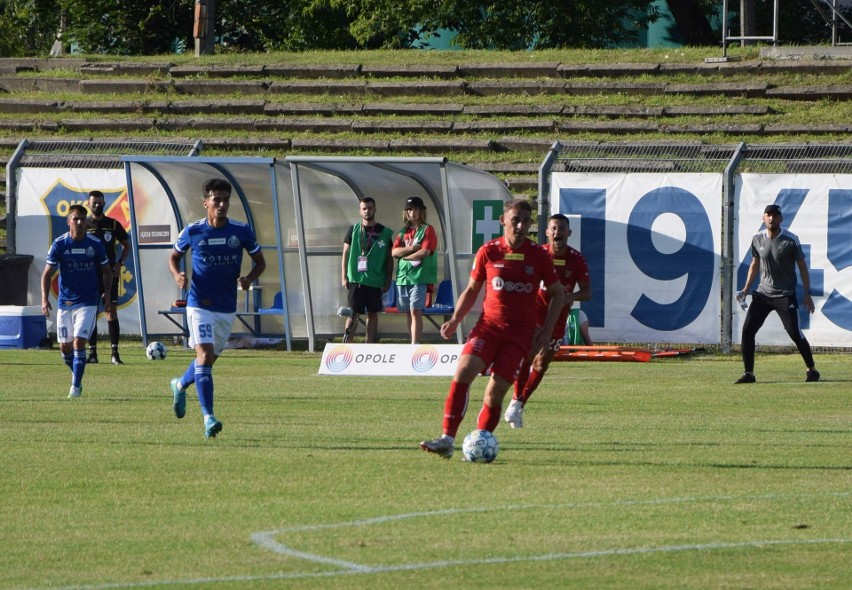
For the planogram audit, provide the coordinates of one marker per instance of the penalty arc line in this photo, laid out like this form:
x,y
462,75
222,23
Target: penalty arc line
x,y
361,570
265,540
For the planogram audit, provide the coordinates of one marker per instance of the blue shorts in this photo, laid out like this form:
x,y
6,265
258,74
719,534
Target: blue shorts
x,y
411,297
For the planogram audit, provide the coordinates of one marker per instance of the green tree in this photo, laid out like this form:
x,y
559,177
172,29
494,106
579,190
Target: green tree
x,y
276,25
129,28
692,19
28,27
504,24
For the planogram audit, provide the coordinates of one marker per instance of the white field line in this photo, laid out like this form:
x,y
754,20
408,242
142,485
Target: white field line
x,y
265,540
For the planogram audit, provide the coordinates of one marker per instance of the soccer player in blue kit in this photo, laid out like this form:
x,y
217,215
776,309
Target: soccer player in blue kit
x,y
217,245
80,259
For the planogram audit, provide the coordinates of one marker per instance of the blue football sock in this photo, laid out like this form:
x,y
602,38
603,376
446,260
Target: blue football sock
x,y
204,387
77,367
188,377
69,359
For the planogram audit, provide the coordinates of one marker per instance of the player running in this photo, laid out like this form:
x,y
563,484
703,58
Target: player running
x,y
511,268
217,245
572,270
82,262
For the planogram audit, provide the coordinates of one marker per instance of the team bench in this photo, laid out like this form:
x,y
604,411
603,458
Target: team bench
x,y
444,305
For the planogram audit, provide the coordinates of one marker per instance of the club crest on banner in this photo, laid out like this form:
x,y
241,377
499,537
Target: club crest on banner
x,y
58,200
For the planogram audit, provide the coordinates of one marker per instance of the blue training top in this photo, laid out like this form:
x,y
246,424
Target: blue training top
x,y
217,257
79,262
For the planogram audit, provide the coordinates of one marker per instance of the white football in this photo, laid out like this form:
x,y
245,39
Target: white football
x,y
480,446
156,351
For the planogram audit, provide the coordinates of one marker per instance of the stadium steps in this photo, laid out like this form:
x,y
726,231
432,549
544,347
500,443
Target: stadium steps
x,y
500,117
416,88
458,132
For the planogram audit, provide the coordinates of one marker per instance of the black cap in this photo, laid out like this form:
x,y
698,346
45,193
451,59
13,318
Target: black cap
x,y
413,202
773,208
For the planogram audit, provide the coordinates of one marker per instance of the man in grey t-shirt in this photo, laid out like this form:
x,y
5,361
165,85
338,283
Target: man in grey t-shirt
x,y
775,253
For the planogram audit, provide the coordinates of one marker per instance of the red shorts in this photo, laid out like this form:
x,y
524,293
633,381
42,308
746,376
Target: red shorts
x,y
559,328
499,349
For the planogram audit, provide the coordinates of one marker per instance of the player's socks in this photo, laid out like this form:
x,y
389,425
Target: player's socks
x,y
78,367
488,418
112,326
204,387
521,381
532,384
188,377
455,407
68,359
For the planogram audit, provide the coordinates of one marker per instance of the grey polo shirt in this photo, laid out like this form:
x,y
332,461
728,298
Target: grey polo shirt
x,y
778,258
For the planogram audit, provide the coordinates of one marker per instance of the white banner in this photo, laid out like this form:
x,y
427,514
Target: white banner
x,y
818,209
426,360
653,246
43,198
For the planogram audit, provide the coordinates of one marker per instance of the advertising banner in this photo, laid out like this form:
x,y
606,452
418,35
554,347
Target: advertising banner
x,y
817,208
653,246
426,360
43,198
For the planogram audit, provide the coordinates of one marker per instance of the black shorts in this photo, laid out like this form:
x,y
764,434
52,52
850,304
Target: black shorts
x,y
364,299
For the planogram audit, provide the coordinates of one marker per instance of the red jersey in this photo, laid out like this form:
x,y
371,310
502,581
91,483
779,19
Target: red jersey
x,y
571,268
512,279
430,238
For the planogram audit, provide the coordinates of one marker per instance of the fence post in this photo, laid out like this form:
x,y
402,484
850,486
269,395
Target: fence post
x,y
728,275
544,188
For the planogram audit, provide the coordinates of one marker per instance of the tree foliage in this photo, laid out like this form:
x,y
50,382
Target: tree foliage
x,y
276,25
542,24
129,28
503,24
29,27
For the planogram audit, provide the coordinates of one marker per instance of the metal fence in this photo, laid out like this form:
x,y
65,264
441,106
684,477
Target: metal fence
x,y
695,157
97,154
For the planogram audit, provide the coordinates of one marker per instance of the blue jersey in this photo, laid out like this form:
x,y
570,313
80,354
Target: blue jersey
x,y
79,263
217,257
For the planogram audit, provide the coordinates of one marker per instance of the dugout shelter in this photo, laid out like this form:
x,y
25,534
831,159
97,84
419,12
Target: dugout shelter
x,y
300,209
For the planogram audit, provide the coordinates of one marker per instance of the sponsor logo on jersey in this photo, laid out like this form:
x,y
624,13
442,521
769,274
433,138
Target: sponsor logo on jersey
x,y
498,284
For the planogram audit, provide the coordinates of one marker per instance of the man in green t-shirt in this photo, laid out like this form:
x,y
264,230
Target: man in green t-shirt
x,y
366,268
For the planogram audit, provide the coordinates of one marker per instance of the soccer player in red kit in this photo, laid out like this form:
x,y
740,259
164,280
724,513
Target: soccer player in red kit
x,y
572,270
511,268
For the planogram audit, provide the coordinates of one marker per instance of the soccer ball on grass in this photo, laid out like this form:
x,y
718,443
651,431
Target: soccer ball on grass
x,y
480,446
156,351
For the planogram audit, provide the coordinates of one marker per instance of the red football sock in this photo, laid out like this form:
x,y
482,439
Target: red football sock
x,y
455,407
532,384
488,418
521,381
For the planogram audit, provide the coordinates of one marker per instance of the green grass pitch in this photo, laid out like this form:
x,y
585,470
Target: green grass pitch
x,y
626,475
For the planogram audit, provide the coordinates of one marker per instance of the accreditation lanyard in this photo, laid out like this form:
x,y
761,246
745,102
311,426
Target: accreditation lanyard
x,y
367,241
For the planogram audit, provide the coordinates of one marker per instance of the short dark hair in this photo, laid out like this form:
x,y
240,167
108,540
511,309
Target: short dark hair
x,y
367,200
215,184
517,204
560,217
96,194
77,208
